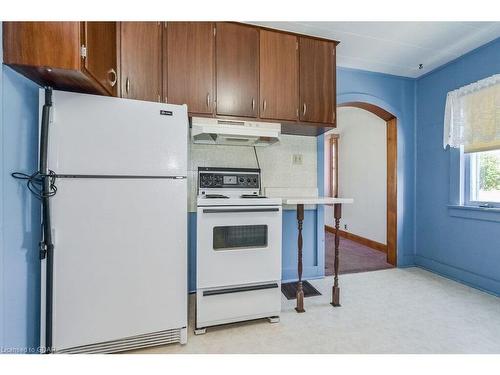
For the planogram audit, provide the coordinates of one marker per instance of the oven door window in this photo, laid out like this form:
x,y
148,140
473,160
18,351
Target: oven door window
x,y
239,237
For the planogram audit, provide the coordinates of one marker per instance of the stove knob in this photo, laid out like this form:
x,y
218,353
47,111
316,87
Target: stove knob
x,y
241,179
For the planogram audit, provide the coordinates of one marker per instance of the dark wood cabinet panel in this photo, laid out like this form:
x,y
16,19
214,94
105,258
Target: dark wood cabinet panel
x,y
190,65
141,54
241,71
279,71
100,62
317,80
53,45
50,53
237,64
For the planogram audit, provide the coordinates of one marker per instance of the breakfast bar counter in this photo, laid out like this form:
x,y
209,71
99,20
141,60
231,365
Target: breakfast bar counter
x,y
337,209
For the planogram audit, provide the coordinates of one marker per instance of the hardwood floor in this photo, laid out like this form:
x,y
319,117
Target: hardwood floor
x,y
354,257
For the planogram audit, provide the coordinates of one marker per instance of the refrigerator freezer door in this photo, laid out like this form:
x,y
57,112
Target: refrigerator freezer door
x,y
120,259
99,135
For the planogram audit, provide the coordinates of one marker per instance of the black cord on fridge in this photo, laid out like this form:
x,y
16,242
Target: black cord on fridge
x,y
34,182
42,184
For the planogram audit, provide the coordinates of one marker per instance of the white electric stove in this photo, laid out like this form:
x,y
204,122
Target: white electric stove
x,y
238,265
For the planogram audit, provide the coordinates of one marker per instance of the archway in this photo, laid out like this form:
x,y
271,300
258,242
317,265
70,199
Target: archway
x,y
391,122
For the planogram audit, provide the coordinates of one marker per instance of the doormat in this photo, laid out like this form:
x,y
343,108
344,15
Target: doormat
x,y
290,290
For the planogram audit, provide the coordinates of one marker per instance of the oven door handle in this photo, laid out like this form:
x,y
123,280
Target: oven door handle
x,y
240,289
231,210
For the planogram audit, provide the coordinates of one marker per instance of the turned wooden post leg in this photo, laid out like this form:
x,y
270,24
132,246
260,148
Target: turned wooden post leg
x,y
337,213
300,292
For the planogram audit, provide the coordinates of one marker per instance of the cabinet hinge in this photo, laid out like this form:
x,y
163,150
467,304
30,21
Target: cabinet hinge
x,y
83,51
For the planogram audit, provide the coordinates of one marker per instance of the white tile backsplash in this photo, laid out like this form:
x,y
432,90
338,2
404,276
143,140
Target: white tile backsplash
x,y
276,162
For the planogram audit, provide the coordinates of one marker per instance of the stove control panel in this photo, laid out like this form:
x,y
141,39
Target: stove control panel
x,y
228,180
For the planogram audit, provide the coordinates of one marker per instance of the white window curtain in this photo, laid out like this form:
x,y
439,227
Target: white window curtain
x,y
472,116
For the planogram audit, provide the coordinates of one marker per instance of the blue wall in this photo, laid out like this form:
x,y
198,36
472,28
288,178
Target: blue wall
x,y
462,248
20,214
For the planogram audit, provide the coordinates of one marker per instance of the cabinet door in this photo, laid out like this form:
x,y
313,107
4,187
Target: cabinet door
x,y
141,60
54,45
317,80
100,62
279,71
190,65
237,64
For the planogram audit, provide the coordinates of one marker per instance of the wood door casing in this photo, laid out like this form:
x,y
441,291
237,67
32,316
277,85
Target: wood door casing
x,y
279,64
101,60
190,65
237,69
392,190
141,60
317,80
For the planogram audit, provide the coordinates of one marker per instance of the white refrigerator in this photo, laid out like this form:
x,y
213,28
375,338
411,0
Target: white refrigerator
x,y
118,276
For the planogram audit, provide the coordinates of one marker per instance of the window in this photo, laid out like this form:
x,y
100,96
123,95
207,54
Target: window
x,y
239,237
482,178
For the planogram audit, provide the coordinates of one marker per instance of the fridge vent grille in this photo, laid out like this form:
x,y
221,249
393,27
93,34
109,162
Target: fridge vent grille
x,y
134,342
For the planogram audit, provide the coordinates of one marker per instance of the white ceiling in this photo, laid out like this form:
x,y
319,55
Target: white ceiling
x,y
397,47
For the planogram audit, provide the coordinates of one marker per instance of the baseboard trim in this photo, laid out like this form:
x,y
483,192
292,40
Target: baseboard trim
x,y
474,280
361,240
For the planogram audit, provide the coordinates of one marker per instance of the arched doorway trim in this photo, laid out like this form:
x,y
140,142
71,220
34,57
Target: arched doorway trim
x,y
392,169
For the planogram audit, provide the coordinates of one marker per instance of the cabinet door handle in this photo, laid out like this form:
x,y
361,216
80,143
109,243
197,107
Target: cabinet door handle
x,y
333,120
112,73
304,109
208,100
127,85
264,106
253,104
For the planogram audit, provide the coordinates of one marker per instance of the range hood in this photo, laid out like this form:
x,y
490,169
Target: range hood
x,y
211,131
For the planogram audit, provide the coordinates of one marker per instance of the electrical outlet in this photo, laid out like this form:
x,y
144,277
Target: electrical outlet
x,y
345,226
297,159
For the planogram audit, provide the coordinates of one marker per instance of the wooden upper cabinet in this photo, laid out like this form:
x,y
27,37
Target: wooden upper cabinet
x,y
73,56
317,80
279,71
237,64
190,65
141,53
99,39
54,45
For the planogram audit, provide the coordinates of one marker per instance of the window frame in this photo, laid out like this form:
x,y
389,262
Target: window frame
x,y
467,201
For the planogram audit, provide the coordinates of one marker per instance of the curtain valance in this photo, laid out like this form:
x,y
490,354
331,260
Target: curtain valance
x,y
472,116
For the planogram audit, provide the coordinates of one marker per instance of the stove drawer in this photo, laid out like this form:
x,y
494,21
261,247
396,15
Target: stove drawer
x,y
237,303
238,245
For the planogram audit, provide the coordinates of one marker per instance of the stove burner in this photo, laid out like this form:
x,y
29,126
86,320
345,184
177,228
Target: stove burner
x,y
213,196
252,196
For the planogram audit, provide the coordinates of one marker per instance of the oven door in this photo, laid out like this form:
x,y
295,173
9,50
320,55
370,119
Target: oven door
x,y
238,245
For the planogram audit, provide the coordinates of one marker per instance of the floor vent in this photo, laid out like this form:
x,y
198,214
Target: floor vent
x,y
134,342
